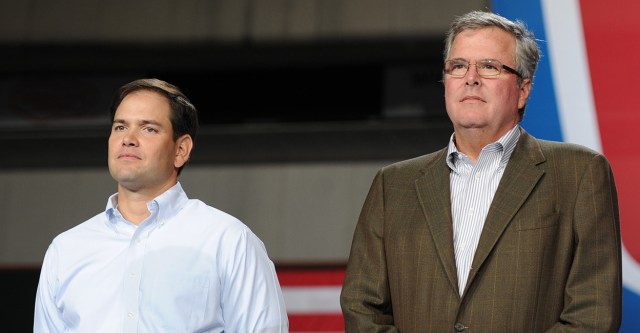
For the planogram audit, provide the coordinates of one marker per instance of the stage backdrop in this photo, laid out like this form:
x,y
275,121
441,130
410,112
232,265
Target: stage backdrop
x,y
584,93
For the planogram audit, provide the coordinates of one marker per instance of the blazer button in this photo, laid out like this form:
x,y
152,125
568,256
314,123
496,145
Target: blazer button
x,y
459,327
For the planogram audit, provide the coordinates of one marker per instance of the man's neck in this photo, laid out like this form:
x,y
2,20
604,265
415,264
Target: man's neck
x,y
132,204
472,141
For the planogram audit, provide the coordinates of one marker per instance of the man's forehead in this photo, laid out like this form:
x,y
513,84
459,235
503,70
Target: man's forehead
x,y
491,40
156,116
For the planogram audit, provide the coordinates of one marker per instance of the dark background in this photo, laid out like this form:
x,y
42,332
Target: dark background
x,y
279,102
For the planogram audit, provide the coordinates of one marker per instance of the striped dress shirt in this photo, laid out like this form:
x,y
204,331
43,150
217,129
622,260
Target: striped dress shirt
x,y
472,190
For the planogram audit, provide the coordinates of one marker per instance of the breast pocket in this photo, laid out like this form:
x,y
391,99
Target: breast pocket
x,y
531,234
177,288
548,220
179,304
193,297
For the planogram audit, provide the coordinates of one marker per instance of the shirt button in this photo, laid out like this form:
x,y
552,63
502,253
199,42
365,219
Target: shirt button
x,y
138,240
459,327
132,275
131,314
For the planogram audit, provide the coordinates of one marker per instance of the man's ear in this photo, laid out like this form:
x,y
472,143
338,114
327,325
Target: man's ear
x,y
525,90
184,144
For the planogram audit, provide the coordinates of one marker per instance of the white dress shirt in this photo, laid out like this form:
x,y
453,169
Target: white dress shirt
x,y
187,268
472,190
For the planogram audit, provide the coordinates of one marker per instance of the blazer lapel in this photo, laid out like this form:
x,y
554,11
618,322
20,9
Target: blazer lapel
x,y
434,196
519,178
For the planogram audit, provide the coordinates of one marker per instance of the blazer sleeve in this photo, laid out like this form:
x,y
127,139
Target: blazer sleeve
x,y
365,297
593,296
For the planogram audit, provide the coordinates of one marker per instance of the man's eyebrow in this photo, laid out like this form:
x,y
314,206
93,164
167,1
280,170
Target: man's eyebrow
x,y
149,122
141,122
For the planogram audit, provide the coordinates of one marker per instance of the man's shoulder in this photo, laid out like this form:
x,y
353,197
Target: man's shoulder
x,y
561,158
564,150
206,215
83,232
91,225
417,164
199,220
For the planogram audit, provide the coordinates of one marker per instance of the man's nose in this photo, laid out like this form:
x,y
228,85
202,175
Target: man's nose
x,y
129,139
472,77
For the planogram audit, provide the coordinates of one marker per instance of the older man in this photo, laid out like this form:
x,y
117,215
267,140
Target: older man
x,y
499,231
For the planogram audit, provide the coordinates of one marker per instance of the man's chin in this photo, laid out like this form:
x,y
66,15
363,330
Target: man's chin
x,y
130,186
471,124
130,181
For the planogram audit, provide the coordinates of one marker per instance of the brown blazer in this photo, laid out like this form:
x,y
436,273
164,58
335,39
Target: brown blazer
x,y
548,259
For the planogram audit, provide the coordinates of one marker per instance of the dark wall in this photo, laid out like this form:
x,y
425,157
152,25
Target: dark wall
x,y
18,288
299,97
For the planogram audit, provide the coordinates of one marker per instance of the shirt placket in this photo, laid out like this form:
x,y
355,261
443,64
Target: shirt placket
x,y
132,280
474,183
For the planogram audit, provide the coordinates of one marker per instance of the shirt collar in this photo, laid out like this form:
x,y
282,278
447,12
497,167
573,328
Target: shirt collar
x,y
506,143
509,142
165,205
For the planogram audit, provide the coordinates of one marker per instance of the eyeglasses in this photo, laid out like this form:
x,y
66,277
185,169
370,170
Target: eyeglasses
x,y
487,68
